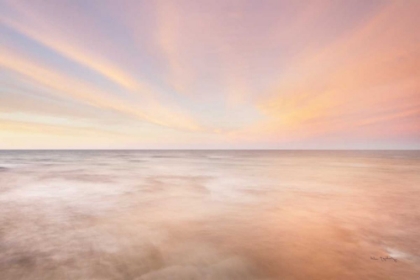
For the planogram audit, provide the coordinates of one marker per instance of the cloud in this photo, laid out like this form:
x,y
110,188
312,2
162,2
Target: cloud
x,y
36,27
66,86
216,73
366,78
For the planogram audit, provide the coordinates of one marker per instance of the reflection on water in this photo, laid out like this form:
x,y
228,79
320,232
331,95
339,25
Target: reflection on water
x,y
209,215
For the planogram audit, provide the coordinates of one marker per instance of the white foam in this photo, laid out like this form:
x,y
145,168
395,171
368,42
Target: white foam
x,y
397,254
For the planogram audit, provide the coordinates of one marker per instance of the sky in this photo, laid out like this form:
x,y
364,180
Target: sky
x,y
209,74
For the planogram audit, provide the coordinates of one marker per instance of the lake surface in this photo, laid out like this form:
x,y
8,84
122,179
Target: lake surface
x,y
209,215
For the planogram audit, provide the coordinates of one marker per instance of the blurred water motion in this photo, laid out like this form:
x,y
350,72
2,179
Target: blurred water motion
x,y
209,215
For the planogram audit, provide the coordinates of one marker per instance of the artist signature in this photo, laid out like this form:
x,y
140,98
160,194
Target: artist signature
x,y
384,259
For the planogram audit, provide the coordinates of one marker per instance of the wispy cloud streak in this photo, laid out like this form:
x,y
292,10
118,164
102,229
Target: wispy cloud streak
x,y
249,74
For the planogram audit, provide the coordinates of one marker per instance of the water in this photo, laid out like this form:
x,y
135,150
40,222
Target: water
x,y
209,215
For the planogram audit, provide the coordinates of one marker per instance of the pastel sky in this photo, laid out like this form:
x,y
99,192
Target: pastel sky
x,y
209,74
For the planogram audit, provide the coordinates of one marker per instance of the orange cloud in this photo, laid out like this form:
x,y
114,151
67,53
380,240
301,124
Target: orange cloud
x,y
344,85
67,86
249,73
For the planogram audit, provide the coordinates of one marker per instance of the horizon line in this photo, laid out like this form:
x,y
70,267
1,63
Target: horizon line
x,y
171,149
